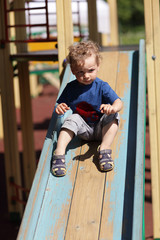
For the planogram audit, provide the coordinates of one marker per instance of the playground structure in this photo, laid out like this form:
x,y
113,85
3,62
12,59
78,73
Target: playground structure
x,y
86,203
45,185
152,26
22,57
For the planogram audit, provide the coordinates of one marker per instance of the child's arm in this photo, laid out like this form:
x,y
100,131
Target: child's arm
x,y
61,108
111,109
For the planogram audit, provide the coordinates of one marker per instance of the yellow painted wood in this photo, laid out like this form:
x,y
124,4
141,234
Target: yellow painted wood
x,y
61,33
152,19
52,80
104,39
113,22
13,50
68,24
12,164
84,220
156,30
16,92
64,29
35,87
109,61
29,160
121,80
92,21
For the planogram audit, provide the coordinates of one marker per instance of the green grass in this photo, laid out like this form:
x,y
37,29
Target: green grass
x,y
132,36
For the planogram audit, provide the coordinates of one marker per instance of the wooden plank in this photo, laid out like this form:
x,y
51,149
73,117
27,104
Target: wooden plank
x,y
29,160
113,22
92,21
64,29
109,61
112,215
156,39
39,186
1,119
140,148
12,164
35,199
152,105
16,92
51,55
61,33
68,25
87,200
57,198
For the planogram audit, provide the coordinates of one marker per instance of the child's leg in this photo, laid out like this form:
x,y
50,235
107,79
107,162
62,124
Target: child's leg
x,y
58,162
108,134
64,138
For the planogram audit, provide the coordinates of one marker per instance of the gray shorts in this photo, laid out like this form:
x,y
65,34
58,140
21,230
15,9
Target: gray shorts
x,y
76,124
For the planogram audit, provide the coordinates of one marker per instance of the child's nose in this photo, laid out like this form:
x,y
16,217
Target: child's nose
x,y
86,75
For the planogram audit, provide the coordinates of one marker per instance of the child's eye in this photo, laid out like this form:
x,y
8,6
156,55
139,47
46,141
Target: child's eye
x,y
91,70
80,73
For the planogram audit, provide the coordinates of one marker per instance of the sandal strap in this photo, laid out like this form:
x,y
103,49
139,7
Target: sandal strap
x,y
58,164
108,151
106,155
106,162
56,157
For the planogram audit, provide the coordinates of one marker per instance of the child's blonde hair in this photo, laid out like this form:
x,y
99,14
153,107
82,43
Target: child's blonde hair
x,y
80,51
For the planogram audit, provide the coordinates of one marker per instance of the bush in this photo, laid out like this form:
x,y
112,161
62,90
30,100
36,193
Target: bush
x,y
130,14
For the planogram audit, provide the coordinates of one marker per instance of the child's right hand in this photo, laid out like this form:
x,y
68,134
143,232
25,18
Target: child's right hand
x,y
61,108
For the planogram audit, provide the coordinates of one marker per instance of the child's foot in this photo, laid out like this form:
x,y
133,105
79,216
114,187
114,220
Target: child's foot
x,y
105,161
58,165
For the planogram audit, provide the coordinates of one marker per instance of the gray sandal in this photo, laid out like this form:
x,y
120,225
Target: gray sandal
x,y
105,161
58,165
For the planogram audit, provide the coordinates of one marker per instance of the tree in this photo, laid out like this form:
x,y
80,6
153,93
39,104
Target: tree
x,y
130,13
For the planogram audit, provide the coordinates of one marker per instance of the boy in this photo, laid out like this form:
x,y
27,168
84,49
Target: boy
x,y
94,104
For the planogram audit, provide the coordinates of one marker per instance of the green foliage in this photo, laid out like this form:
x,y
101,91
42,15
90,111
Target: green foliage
x,y
132,36
130,14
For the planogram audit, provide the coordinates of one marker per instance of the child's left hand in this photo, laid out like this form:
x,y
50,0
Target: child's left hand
x,y
107,109
111,109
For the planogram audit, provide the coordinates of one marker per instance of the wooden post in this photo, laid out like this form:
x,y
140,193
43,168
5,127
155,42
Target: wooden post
x,y
92,21
113,22
1,120
13,51
64,29
152,28
29,161
12,163
16,92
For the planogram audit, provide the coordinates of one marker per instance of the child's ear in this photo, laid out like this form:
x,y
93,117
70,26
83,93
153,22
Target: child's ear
x,y
72,70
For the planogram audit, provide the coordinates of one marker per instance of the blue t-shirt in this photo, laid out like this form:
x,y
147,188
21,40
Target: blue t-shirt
x,y
87,99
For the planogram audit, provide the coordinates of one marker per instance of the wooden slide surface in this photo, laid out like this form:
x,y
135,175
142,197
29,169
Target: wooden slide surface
x,y
87,204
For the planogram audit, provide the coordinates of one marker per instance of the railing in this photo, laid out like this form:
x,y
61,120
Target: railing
x,y
45,11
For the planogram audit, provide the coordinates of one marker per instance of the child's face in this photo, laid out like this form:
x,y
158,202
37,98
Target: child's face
x,y
87,73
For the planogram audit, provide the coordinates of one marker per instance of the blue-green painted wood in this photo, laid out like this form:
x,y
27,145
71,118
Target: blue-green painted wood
x,y
126,188
117,186
57,200
37,193
140,149
48,207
